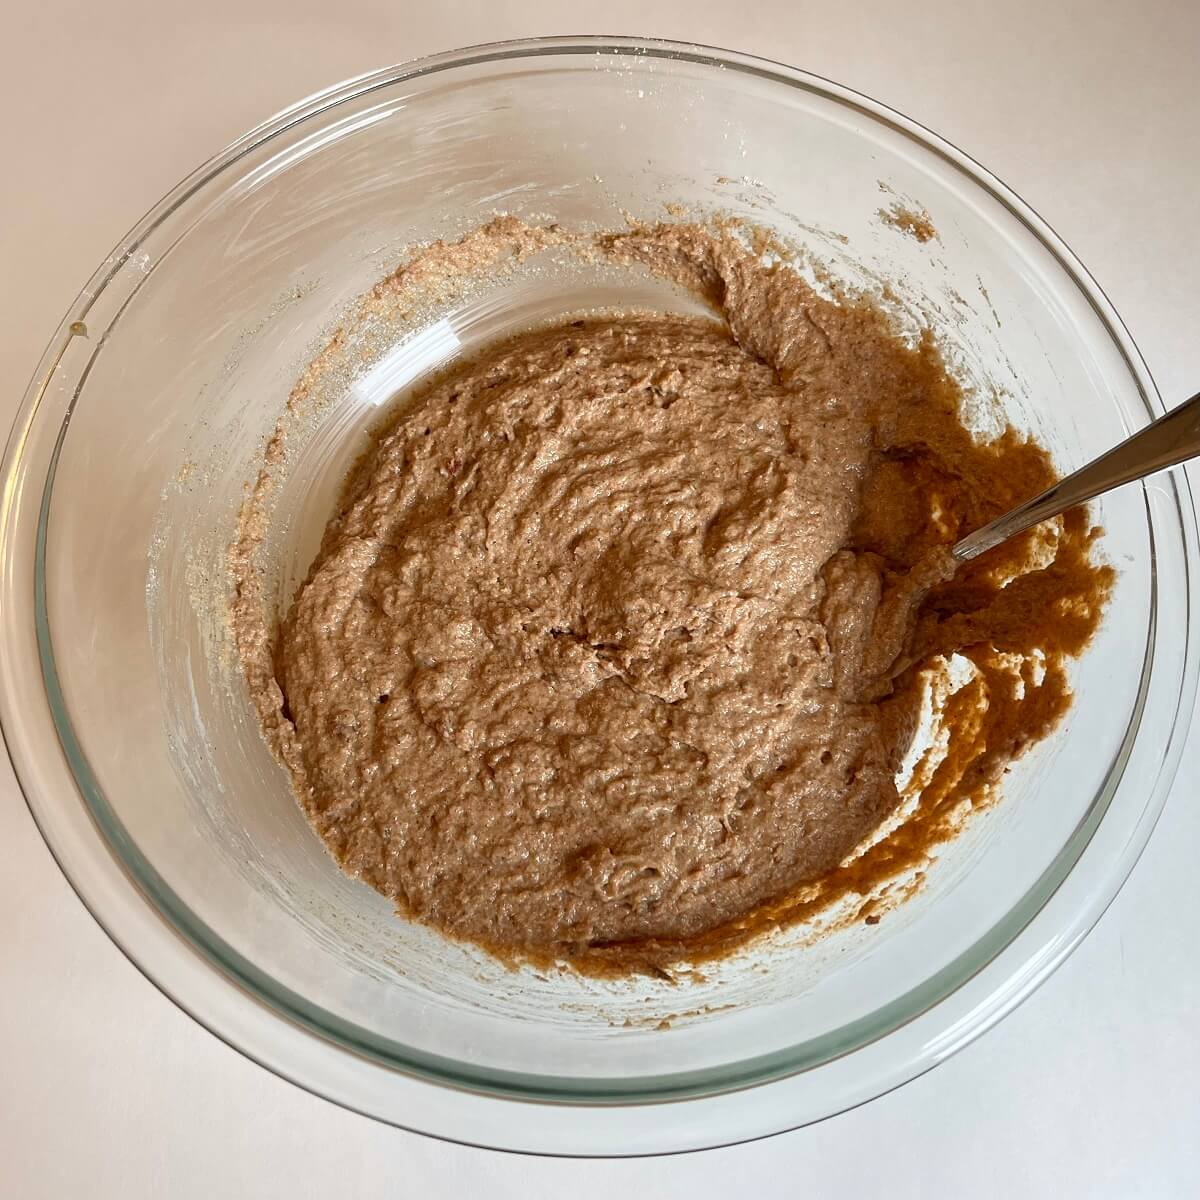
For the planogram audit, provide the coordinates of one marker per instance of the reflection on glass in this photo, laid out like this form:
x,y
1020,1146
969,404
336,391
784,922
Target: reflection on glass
x,y
406,361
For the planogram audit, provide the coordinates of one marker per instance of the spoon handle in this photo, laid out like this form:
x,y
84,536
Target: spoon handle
x,y
1167,442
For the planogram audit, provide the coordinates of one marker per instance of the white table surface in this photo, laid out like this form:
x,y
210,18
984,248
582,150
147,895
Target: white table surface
x,y
1090,109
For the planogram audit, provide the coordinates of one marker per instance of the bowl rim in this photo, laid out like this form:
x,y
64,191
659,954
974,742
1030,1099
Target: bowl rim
x,y
234,970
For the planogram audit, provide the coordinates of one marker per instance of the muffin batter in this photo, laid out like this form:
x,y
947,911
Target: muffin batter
x,y
614,641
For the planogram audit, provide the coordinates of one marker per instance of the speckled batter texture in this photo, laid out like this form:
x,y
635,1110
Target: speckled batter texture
x,y
613,642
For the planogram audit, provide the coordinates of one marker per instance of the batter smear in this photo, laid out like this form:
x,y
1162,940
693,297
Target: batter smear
x,y
614,647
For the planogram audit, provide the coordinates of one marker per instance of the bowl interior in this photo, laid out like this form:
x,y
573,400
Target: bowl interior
x,y
187,377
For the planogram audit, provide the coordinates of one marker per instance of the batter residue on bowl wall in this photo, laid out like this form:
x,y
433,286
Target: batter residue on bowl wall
x,y
613,649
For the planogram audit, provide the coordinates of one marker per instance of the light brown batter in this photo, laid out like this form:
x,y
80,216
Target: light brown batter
x,y
614,643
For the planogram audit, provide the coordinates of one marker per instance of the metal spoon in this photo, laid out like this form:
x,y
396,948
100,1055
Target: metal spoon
x,y
1166,443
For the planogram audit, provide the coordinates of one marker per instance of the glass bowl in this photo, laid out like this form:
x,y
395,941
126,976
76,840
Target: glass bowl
x,y
130,728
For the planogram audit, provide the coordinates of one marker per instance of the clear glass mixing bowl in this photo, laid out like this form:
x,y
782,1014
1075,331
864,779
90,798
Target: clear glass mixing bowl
x,y
130,729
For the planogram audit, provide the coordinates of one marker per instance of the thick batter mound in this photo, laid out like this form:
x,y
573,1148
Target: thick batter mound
x,y
614,643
